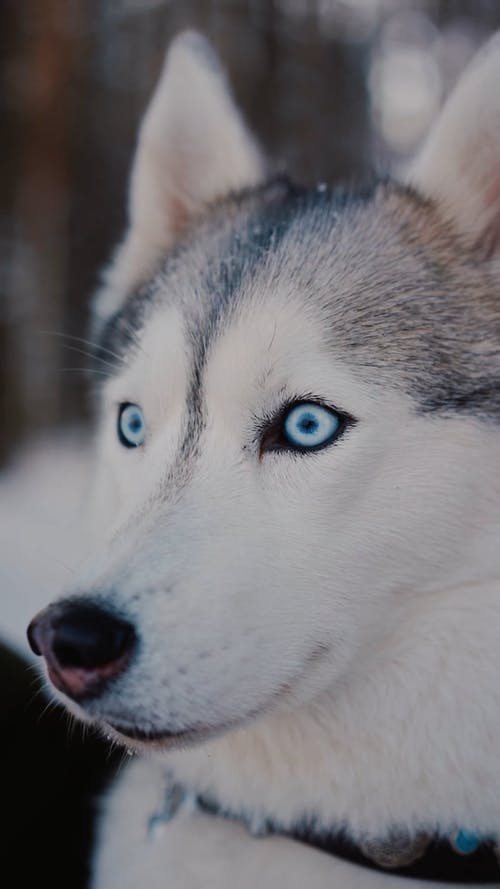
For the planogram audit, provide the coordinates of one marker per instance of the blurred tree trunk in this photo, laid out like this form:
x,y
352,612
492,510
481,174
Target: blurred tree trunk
x,y
38,244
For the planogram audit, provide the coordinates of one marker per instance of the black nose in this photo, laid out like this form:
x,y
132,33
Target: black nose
x,y
84,645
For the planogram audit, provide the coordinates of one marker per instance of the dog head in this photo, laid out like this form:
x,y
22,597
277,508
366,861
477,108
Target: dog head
x,y
299,383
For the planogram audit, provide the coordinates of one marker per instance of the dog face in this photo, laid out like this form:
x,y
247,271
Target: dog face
x,y
300,381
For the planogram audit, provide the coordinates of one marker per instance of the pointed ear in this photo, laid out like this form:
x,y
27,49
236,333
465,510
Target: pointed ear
x,y
459,164
193,147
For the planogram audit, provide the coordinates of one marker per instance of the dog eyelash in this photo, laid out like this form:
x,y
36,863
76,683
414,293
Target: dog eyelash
x,y
269,434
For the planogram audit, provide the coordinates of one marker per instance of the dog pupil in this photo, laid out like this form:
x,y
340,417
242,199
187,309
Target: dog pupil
x,y
308,424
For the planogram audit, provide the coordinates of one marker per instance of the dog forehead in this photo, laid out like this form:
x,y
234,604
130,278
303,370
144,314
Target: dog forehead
x,y
247,250
265,256
378,271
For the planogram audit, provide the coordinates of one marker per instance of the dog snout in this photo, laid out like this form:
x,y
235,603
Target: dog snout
x,y
84,645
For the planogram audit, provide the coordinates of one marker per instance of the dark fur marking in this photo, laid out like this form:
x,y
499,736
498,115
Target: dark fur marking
x,y
439,863
400,298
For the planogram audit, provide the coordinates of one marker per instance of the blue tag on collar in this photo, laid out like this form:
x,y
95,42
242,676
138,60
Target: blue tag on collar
x,y
465,842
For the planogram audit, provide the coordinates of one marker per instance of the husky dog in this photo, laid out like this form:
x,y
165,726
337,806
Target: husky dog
x,y
294,605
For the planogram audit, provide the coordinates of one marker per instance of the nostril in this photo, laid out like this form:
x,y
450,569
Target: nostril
x,y
32,637
87,637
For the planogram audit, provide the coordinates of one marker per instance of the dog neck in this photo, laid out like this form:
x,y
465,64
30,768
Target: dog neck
x,y
375,755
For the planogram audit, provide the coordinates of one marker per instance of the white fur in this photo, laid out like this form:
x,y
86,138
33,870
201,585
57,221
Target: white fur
x,y
331,618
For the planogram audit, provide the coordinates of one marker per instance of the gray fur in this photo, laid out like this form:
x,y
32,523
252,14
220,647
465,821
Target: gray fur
x,y
401,300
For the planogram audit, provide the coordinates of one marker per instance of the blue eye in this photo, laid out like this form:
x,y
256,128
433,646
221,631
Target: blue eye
x,y
308,425
131,425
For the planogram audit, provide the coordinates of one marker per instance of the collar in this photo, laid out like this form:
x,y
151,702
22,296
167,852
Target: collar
x,y
460,857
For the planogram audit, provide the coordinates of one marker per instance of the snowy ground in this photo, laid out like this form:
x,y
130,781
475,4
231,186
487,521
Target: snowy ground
x,y
41,503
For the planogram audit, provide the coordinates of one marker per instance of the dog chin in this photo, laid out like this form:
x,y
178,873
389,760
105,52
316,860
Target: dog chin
x,y
136,738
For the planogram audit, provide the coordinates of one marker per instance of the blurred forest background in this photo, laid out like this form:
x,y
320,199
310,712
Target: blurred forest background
x,y
332,87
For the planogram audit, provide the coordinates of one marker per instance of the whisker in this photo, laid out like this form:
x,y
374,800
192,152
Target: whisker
x,y
79,339
85,370
35,693
50,705
63,565
89,355
133,334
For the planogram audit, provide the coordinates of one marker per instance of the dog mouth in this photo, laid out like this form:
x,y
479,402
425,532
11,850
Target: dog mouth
x,y
164,738
133,735
142,738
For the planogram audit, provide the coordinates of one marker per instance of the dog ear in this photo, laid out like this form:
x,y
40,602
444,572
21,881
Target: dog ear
x,y
459,164
193,147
